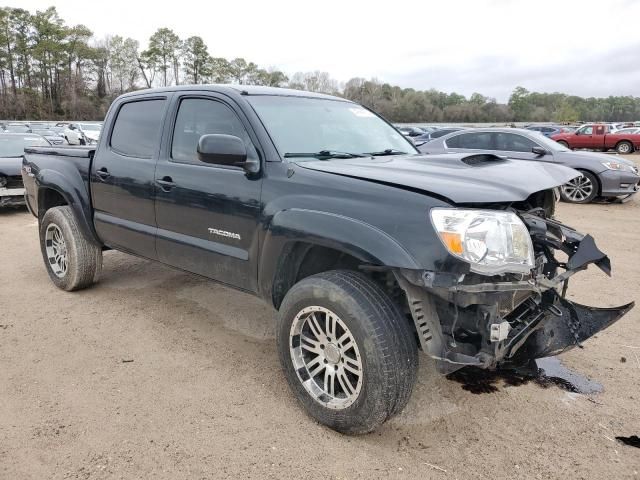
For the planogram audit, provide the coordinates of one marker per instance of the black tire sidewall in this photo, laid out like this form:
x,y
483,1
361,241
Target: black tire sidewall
x,y
370,409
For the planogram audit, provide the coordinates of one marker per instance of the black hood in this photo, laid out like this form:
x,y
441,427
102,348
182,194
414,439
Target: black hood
x,y
461,178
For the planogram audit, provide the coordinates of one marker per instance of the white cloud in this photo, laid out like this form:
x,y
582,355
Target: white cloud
x,y
483,45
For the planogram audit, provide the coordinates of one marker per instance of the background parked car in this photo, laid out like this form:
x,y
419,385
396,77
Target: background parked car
x,y
440,132
82,133
52,137
12,147
411,131
602,175
632,130
548,130
17,128
599,136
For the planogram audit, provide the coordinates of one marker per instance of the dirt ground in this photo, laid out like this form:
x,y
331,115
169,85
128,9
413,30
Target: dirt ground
x,y
154,373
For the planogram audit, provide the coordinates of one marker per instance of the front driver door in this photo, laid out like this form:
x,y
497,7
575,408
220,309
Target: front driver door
x,y
583,138
207,215
517,146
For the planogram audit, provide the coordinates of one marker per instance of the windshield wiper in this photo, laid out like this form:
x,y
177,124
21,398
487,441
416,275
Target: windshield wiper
x,y
323,155
388,151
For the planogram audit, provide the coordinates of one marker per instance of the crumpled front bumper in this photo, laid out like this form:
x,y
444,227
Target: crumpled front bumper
x,y
485,321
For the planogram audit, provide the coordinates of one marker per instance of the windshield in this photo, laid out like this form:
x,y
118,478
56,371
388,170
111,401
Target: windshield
x,y
14,145
91,127
547,143
307,125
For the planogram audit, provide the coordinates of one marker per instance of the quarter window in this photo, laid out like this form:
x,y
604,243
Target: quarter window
x,y
199,116
136,132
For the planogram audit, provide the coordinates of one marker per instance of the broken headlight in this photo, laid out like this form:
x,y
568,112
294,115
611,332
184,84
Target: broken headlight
x,y
491,241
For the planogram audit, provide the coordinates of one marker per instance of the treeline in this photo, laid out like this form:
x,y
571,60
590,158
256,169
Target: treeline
x,y
51,70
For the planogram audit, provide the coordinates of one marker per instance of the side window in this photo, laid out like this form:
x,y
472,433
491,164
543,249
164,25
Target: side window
x,y
199,116
477,140
454,142
585,131
599,129
136,132
514,143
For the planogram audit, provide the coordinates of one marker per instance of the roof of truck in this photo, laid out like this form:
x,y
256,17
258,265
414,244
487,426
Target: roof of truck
x,y
241,89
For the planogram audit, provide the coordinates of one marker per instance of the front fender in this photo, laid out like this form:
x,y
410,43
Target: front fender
x,y
355,237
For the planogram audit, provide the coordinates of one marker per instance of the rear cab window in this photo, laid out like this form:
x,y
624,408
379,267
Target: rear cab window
x,y
137,128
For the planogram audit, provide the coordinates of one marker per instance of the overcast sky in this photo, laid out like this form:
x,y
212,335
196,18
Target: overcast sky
x,y
582,47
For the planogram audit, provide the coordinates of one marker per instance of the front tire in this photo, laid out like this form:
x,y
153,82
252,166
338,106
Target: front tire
x,y
72,260
348,353
563,143
581,189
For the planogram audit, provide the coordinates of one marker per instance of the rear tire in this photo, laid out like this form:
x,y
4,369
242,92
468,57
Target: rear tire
x,y
581,189
381,361
72,260
624,148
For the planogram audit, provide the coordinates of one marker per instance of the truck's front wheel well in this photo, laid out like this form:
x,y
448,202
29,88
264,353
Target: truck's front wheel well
x,y
300,260
47,199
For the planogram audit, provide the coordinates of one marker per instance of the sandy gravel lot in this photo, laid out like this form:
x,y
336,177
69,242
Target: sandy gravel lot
x,y
154,373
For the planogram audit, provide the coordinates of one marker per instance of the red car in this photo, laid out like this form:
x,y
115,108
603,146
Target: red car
x,y
599,137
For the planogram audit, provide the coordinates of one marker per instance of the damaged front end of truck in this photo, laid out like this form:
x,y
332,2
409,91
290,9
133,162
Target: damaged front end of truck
x,y
477,317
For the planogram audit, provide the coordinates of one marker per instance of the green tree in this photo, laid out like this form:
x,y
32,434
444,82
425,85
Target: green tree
x,y
163,54
197,61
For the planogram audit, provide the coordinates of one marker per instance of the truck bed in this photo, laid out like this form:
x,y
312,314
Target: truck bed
x,y
51,163
63,151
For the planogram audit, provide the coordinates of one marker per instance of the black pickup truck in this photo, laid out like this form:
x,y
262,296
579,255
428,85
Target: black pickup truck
x,y
368,250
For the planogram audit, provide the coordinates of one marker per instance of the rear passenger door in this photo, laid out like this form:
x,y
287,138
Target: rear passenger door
x,y
122,176
208,215
470,141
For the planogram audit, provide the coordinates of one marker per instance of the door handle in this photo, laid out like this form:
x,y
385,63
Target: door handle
x,y
103,173
166,183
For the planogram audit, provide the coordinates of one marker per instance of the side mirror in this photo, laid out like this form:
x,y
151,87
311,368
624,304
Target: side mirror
x,y
539,151
577,132
227,150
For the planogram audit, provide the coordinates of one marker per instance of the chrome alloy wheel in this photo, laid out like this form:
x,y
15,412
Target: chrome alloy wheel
x,y
578,188
56,249
326,357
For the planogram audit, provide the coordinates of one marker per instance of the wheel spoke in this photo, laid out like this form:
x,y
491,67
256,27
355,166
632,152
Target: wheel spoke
x,y
317,370
329,381
352,364
330,325
309,344
346,385
314,325
347,346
